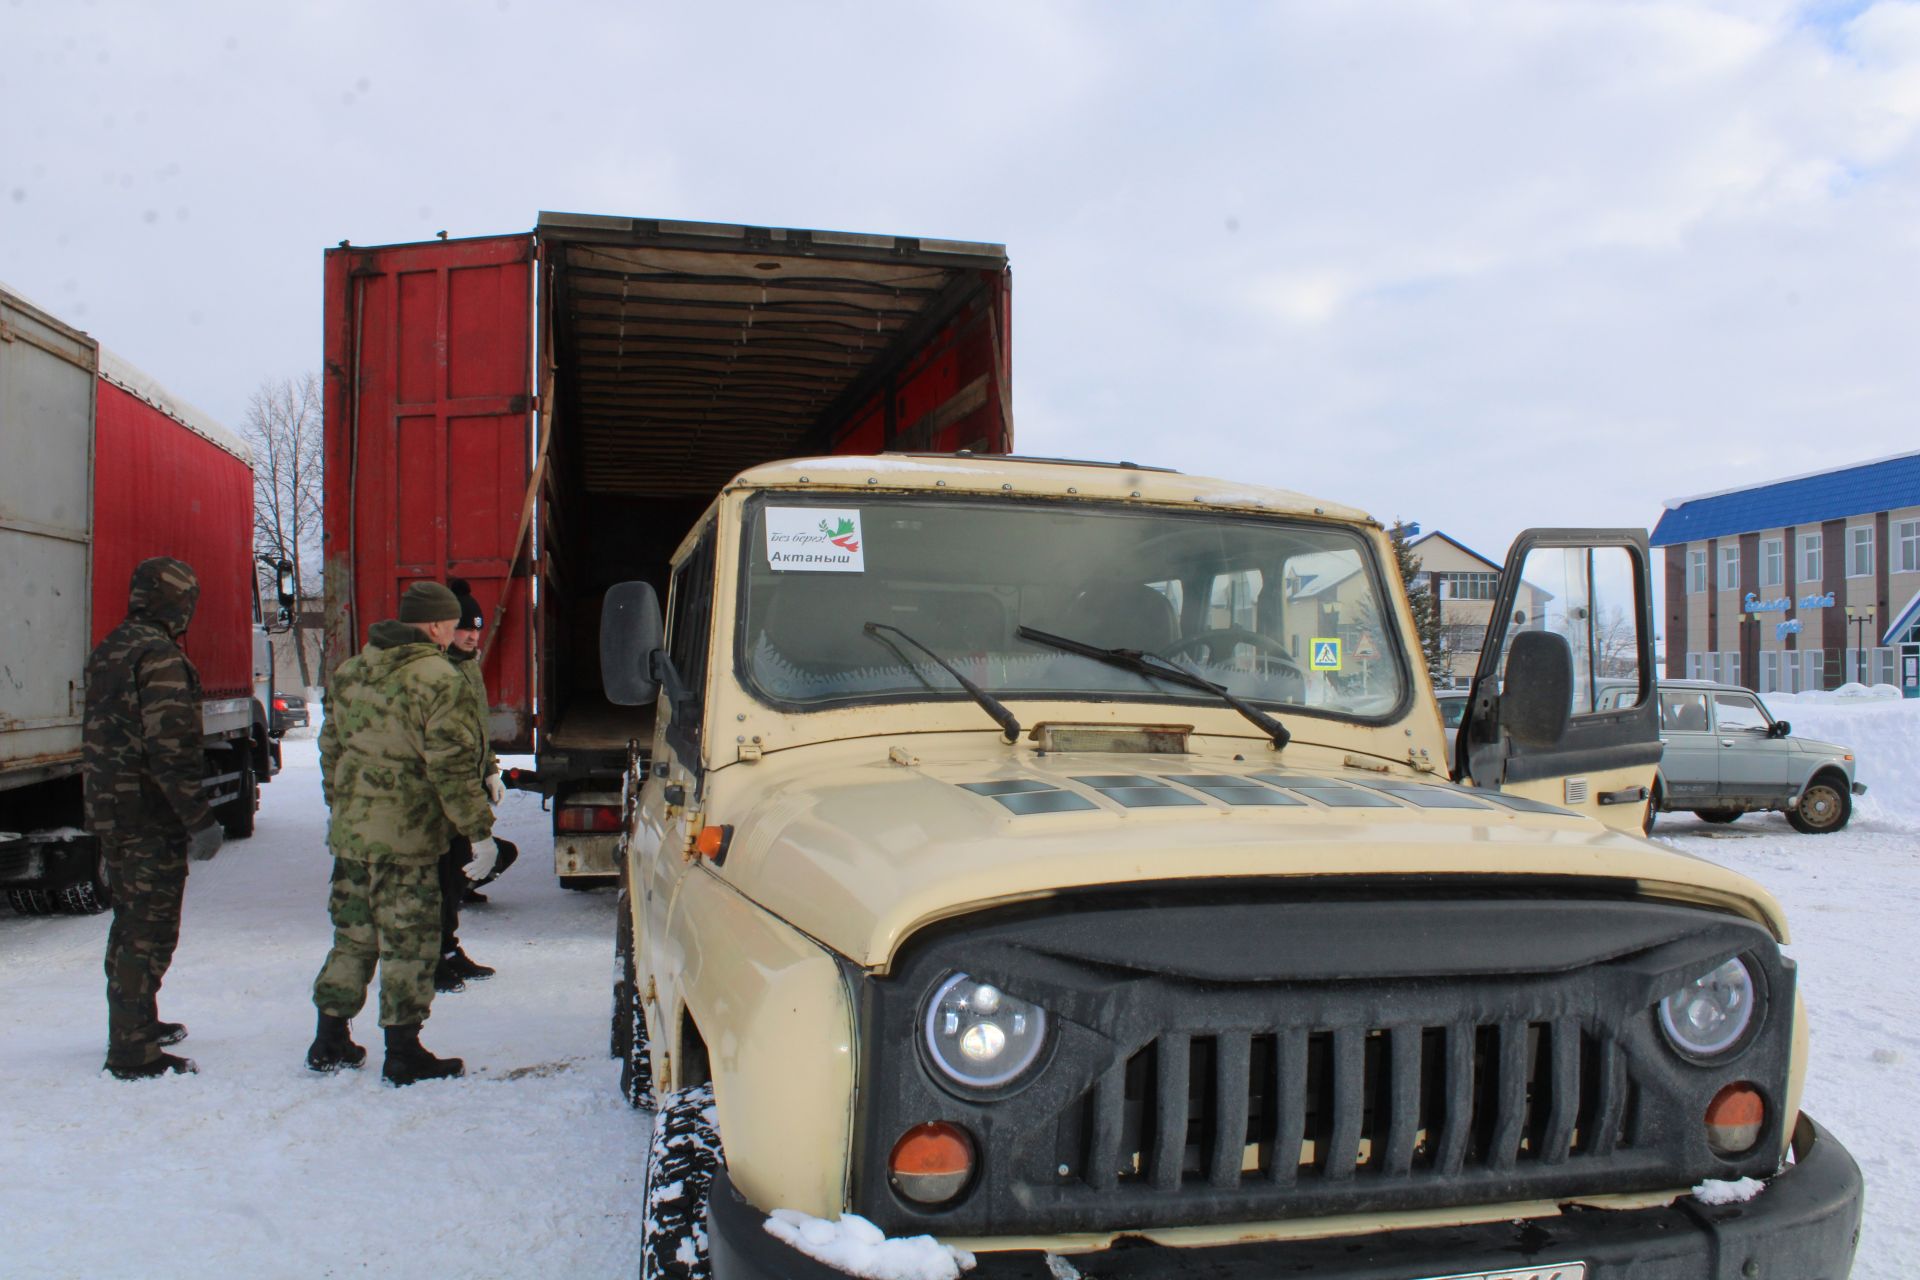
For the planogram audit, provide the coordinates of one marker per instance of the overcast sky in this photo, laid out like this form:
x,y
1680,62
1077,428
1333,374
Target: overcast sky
x,y
1477,263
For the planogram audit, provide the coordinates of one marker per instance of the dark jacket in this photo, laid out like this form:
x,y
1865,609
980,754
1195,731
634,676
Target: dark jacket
x,y
143,760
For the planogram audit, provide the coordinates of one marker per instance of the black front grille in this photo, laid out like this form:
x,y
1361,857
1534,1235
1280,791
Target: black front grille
x,y
1296,1105
1246,1060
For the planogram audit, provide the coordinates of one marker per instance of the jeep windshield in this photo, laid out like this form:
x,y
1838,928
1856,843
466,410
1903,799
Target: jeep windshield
x,y
1279,612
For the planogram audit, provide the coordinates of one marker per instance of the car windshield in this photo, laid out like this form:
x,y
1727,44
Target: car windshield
x,y
1278,612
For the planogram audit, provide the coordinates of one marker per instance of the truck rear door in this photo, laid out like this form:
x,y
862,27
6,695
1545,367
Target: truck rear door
x,y
429,446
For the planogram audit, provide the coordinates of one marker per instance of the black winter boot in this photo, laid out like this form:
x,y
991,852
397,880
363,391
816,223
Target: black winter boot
x,y
333,1046
408,1060
464,965
446,977
165,1064
166,1033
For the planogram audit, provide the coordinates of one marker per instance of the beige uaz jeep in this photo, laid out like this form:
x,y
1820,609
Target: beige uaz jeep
x,y
1067,862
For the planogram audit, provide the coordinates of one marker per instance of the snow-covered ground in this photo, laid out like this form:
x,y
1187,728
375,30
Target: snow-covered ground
x,y
257,1167
532,1165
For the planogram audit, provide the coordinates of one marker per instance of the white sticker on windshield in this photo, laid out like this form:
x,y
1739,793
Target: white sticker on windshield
x,y
814,540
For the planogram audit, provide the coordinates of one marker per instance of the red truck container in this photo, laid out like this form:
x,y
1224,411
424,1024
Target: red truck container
x,y
101,468
546,414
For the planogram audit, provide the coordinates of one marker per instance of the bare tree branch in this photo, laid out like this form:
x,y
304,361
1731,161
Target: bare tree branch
x,y
284,426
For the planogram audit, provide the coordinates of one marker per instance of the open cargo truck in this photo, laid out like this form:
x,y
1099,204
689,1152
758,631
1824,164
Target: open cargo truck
x,y
101,468
546,414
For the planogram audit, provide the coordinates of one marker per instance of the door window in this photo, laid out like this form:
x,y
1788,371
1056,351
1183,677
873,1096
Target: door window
x,y
689,638
1736,712
1683,711
1587,595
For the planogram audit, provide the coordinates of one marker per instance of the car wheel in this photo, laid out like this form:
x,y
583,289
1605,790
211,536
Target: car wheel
x,y
681,1161
1824,808
90,895
629,1032
1653,808
1717,815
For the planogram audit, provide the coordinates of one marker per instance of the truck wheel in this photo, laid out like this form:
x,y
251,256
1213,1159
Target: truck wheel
x,y
1654,800
237,814
1717,815
31,902
681,1161
89,896
1824,808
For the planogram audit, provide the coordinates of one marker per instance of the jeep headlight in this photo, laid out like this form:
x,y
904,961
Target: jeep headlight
x,y
979,1036
1708,1016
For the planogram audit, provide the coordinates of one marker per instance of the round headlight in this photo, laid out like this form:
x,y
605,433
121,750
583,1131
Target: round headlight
x,y
1710,1014
980,1036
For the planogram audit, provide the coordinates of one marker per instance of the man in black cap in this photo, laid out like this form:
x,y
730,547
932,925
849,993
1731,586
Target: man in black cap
x,y
459,882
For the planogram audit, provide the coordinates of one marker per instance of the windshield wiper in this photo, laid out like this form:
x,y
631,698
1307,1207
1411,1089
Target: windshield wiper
x,y
1153,666
990,704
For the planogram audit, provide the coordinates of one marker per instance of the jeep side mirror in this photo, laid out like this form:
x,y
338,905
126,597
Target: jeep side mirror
x,y
1536,699
1780,729
630,634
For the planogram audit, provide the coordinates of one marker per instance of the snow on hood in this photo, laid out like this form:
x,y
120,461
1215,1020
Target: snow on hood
x,y
858,856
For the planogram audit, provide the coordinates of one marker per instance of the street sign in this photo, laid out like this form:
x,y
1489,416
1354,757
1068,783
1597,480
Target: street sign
x,y
1324,653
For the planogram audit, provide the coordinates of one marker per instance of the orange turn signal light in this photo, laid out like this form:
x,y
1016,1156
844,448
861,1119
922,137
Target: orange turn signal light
x,y
1735,1118
931,1162
712,843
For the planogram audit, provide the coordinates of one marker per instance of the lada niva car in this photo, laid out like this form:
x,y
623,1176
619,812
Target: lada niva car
x,y
1069,862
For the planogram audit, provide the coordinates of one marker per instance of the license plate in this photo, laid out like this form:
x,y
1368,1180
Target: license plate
x,y
1552,1271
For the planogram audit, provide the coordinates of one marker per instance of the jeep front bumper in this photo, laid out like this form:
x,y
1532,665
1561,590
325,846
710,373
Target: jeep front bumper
x,y
1804,1225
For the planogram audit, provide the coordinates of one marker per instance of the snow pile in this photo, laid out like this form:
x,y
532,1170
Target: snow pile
x,y
1738,1191
1884,736
859,1248
1847,694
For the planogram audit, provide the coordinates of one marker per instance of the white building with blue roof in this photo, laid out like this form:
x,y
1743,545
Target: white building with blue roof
x,y
1803,583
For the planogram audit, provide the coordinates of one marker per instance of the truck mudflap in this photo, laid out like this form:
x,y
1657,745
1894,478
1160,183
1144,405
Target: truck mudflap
x,y
1805,1224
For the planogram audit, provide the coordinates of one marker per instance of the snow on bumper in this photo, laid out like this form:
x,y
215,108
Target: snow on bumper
x,y
1806,1224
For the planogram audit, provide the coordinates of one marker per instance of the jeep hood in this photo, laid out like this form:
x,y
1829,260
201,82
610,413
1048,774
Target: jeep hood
x,y
859,856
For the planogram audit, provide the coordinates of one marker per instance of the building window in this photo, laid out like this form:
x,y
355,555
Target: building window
x,y
1469,586
1730,666
1769,671
1816,666
1693,666
1810,570
1860,551
1906,540
1696,572
1773,562
1729,568
1883,666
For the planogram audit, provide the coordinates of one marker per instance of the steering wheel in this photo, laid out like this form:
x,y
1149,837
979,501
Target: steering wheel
x,y
1225,640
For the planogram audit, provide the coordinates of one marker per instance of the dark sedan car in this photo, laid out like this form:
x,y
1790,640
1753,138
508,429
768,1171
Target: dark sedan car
x,y
289,712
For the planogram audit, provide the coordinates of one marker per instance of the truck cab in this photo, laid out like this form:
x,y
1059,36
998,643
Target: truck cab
x,y
1068,862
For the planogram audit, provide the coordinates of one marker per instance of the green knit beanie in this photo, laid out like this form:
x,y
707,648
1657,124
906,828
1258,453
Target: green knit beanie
x,y
428,602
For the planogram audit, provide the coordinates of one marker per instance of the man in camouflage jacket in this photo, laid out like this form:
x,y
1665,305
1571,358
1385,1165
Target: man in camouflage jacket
x,y
401,750
143,769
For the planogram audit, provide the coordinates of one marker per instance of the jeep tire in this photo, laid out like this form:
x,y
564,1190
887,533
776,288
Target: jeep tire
x,y
628,1039
1718,815
681,1161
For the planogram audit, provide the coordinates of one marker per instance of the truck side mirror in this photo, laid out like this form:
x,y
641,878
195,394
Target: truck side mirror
x,y
630,634
283,588
1536,699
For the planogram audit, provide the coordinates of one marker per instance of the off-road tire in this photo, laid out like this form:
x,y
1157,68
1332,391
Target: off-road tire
x,y
681,1161
1718,815
91,895
237,815
1654,799
586,884
32,902
1825,806
629,1032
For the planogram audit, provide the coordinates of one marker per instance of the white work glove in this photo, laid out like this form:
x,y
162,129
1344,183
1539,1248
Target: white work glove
x,y
485,855
496,789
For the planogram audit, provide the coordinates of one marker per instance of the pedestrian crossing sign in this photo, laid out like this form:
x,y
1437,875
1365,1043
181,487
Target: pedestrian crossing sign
x,y
1325,655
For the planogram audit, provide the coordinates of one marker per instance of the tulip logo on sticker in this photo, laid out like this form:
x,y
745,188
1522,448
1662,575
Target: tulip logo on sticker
x,y
809,540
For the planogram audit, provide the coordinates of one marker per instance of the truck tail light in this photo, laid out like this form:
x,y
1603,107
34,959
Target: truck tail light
x,y
587,817
931,1163
279,704
1734,1119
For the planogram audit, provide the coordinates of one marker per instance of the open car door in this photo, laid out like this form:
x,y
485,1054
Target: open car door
x,y
1592,590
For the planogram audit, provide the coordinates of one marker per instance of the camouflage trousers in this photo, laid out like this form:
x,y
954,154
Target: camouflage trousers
x,y
147,876
389,913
